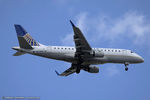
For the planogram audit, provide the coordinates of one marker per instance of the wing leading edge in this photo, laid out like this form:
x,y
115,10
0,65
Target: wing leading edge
x,y
81,43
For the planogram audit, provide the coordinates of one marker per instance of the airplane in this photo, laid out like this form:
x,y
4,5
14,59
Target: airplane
x,y
81,57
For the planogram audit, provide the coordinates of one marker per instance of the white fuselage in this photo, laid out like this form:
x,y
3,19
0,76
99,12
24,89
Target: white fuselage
x,y
68,54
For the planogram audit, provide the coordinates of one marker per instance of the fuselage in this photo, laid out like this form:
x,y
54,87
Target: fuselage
x,y
67,54
81,57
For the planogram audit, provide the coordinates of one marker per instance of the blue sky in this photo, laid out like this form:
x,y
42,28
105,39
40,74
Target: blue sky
x,y
112,24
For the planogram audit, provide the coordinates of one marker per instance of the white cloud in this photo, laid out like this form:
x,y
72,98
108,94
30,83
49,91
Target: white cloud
x,y
68,40
81,21
131,25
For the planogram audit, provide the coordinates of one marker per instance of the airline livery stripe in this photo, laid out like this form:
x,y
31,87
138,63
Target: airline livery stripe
x,y
30,40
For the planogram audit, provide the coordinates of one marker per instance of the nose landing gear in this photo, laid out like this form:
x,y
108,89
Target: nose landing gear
x,y
126,66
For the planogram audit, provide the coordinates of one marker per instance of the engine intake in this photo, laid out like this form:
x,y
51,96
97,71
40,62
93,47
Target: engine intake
x,y
93,69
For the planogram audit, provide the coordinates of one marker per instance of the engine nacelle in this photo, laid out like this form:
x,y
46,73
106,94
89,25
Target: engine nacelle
x,y
93,69
98,53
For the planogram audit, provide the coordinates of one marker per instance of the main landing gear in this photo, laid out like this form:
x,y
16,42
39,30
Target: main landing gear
x,y
79,63
126,66
78,69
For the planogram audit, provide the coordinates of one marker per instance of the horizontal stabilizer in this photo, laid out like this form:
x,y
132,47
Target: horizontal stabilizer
x,y
18,53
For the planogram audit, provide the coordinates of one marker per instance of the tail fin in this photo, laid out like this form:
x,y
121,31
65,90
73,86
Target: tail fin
x,y
25,40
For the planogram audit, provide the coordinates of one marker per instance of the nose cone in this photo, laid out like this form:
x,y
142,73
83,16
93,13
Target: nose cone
x,y
139,59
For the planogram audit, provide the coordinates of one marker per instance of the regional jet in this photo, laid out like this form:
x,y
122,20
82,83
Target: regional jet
x,y
81,57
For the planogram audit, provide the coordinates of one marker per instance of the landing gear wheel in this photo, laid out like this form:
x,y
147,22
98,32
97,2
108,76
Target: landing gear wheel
x,y
126,68
78,70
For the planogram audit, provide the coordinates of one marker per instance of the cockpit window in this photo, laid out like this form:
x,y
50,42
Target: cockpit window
x,y
132,52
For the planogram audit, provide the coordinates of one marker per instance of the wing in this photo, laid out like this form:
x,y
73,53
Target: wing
x,y
67,72
82,48
81,44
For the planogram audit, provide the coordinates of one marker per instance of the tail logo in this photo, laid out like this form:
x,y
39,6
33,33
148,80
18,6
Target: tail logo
x,y
30,40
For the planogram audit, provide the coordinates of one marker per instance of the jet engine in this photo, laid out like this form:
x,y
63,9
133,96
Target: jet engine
x,y
93,69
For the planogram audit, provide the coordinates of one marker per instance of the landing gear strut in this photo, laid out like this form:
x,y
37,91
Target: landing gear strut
x,y
126,66
80,61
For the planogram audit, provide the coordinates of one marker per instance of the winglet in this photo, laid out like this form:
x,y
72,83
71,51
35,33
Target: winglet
x,y
57,73
72,24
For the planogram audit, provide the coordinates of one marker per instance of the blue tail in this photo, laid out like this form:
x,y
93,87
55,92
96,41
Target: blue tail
x,y
25,40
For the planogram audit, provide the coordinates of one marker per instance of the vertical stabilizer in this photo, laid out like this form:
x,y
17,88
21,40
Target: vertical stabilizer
x,y
25,40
